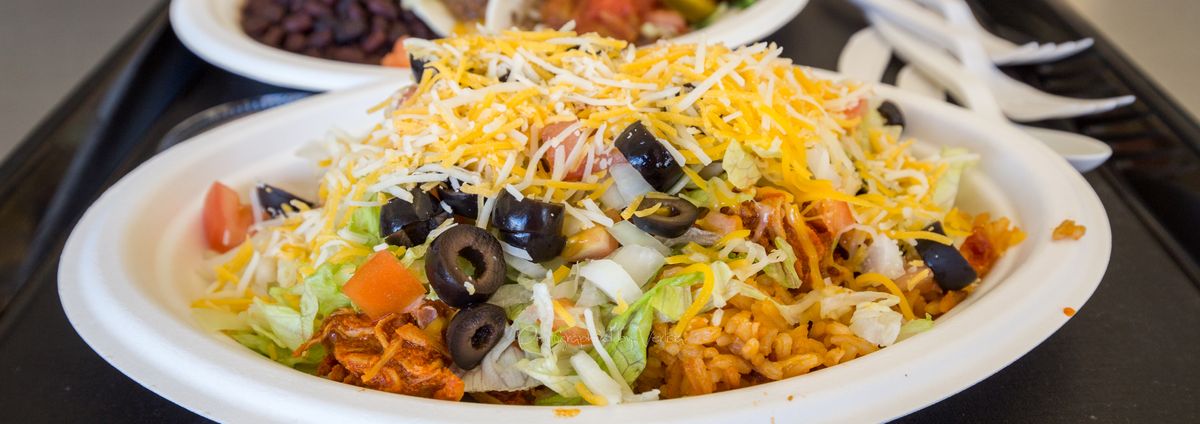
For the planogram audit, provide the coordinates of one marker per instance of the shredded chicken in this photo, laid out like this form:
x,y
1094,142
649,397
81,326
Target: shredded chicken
x,y
988,242
391,354
772,214
1068,230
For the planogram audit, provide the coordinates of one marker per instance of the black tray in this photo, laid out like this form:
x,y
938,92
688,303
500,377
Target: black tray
x,y
1131,354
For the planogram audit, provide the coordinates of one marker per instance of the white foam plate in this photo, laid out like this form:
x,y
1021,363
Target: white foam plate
x,y
129,272
212,29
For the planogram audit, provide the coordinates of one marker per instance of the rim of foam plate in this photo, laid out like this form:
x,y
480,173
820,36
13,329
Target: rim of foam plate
x,y
123,282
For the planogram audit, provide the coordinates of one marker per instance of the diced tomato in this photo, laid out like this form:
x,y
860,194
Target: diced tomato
x,y
720,223
382,285
669,21
834,214
398,57
592,243
565,148
611,18
576,336
226,220
556,13
859,109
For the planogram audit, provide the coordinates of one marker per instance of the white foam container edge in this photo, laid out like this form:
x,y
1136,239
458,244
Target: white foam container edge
x,y
126,280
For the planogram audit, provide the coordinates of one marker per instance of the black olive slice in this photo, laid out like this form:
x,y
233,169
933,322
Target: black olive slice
x,y
950,269
462,204
473,332
276,201
527,215
398,214
673,217
418,67
891,113
540,246
417,232
649,157
460,255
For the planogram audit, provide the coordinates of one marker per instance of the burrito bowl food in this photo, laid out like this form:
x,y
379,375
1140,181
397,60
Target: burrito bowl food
x,y
553,218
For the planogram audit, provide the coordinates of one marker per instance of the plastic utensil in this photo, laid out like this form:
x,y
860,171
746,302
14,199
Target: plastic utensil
x,y
1004,52
1082,152
1017,100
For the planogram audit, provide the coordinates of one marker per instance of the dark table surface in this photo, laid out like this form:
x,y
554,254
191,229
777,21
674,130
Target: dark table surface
x,y
1129,355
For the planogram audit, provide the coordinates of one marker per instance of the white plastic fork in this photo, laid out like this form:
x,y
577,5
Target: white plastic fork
x,y
1004,52
1017,100
1082,152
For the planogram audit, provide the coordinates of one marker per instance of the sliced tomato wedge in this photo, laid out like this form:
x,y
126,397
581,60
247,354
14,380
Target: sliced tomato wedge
x,y
226,219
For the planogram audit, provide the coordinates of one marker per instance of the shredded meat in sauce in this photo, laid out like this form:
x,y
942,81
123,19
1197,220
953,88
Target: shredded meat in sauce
x,y
391,354
774,214
988,241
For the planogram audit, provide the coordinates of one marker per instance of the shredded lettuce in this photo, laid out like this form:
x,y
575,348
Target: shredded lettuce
x,y
220,320
596,380
629,332
946,190
364,222
883,256
672,302
698,197
277,327
740,166
791,278
267,347
510,295
915,327
550,373
559,400
280,323
876,323
837,301
527,339
321,293
497,371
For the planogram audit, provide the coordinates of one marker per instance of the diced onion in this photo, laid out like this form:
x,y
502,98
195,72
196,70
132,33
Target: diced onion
x,y
595,378
612,199
610,278
630,235
629,181
639,261
525,267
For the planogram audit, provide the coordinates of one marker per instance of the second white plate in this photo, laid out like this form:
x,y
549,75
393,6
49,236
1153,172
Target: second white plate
x,y
212,29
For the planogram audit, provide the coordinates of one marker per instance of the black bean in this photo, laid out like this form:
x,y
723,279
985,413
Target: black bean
x,y
295,42
373,42
383,8
271,12
346,31
273,36
254,25
396,31
362,30
356,12
297,23
316,9
347,54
